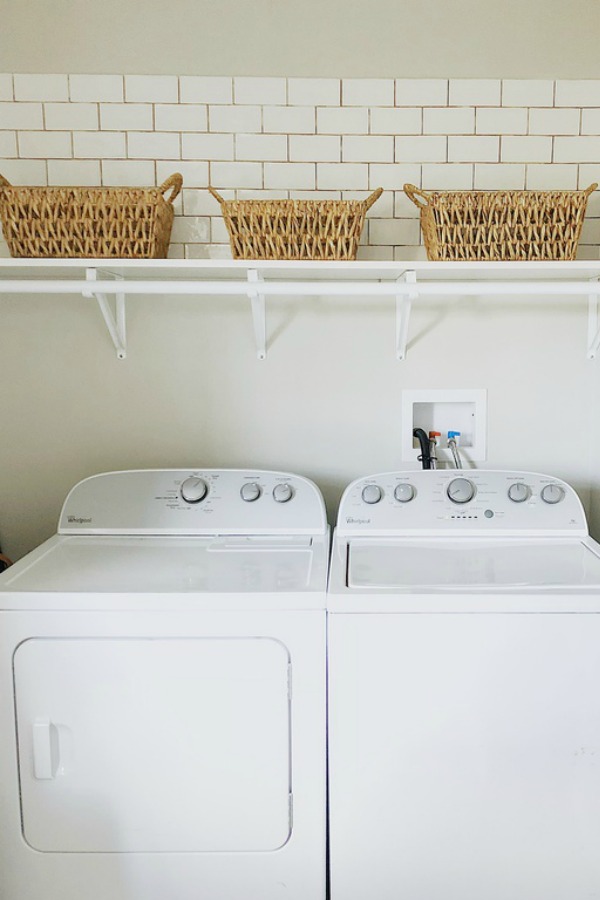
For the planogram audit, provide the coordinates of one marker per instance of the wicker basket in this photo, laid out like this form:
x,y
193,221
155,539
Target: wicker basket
x,y
295,229
500,225
88,222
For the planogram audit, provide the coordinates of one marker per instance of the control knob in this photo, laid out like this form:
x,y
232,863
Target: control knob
x,y
372,493
460,490
552,493
404,492
194,489
519,492
250,491
283,492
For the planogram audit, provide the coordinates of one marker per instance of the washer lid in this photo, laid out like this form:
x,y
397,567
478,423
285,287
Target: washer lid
x,y
470,564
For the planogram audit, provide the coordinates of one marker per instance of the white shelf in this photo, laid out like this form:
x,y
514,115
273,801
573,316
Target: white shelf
x,y
406,282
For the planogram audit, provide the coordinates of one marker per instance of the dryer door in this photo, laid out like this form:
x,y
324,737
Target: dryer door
x,y
153,744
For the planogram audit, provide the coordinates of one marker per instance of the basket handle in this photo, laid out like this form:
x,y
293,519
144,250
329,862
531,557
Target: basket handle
x,y
216,195
413,192
174,181
373,197
4,182
587,192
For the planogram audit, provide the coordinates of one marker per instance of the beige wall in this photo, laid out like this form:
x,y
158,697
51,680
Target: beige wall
x,y
402,38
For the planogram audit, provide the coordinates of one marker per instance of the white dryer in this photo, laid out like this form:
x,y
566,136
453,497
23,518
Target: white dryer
x,y
464,690
162,693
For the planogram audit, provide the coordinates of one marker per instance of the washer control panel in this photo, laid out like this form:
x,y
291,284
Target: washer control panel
x,y
455,501
203,501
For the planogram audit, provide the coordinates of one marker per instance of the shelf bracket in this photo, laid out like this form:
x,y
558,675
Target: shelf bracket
x,y
593,324
115,322
259,318
403,310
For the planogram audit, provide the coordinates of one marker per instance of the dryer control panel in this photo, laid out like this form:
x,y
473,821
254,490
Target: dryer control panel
x,y
194,501
457,501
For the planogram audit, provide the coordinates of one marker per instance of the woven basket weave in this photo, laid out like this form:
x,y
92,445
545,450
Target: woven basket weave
x,y
88,222
500,225
295,229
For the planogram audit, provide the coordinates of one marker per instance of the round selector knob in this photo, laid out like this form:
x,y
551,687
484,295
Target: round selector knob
x,y
404,492
194,489
460,490
283,492
250,491
553,493
372,493
519,492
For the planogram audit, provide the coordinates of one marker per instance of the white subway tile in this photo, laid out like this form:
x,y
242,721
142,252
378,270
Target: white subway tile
x,y
315,148
96,88
236,174
586,252
41,87
195,174
343,121
244,119
577,149
447,177
6,87
219,232
384,205
590,121
342,176
212,251
260,91
426,148
473,149
289,119
474,92
205,89
45,145
317,195
404,208
127,173
25,171
367,92
494,120
314,91
21,115
394,231
71,116
126,117
552,177
8,144
207,146
151,88
588,175
553,121
190,229
402,253
180,117
499,177
263,195
261,147
199,203
176,251
158,145
4,251
368,148
90,145
396,121
421,92
393,177
85,172
527,92
449,121
375,254
578,93
525,149
290,176
590,233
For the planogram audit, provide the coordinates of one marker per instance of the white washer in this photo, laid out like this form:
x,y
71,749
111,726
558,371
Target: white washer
x,y
162,693
464,690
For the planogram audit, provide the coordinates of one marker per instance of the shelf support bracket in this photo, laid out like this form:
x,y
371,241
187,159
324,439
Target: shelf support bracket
x,y
259,317
115,322
593,324
403,310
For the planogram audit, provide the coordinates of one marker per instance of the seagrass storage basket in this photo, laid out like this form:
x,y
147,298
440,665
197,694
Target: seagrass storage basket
x,y
295,229
88,222
500,225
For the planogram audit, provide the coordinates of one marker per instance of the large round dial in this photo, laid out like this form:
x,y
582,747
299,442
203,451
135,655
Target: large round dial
x,y
519,492
250,491
372,493
194,489
460,490
283,492
552,493
404,492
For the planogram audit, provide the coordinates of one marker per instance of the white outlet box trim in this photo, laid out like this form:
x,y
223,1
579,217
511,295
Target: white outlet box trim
x,y
475,451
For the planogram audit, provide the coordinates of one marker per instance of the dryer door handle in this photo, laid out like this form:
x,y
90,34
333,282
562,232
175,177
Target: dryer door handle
x,y
45,747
